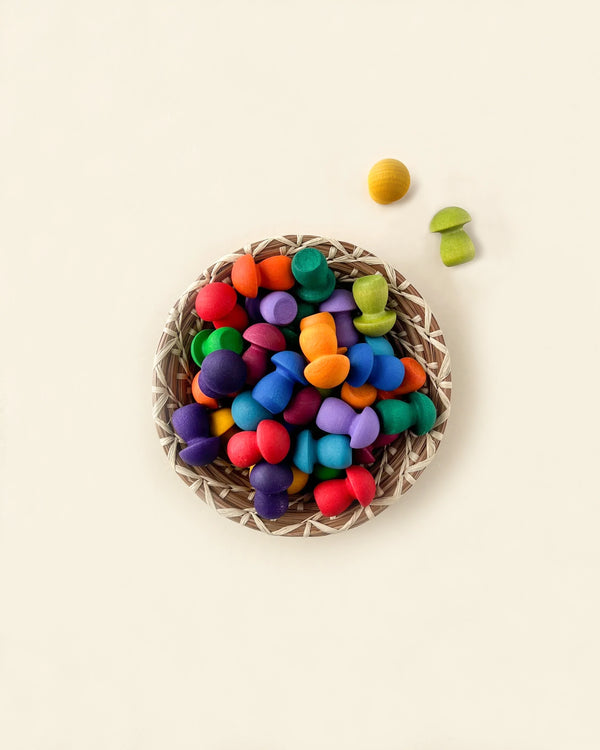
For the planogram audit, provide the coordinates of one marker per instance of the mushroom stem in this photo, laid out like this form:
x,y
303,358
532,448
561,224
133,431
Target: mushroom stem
x,y
456,247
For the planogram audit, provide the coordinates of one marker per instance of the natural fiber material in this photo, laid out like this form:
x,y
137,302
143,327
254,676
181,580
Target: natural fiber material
x,y
225,488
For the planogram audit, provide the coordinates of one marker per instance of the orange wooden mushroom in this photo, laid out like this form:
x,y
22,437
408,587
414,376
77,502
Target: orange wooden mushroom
x,y
360,396
327,366
200,397
272,273
414,378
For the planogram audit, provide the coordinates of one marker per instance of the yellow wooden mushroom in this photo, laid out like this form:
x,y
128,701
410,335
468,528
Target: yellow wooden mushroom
x,y
389,181
220,421
299,482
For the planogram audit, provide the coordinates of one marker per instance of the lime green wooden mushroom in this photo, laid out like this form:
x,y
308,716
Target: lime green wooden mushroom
x,y
456,246
371,295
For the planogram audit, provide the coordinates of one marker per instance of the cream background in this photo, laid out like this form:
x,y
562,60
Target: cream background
x,y
142,140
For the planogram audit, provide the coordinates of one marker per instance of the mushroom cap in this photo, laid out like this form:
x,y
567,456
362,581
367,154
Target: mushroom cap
x,y
278,308
365,428
340,301
223,372
388,181
271,478
380,345
303,407
215,300
305,452
362,483
425,412
197,344
361,364
449,218
201,452
266,336
292,365
245,276
223,338
248,413
190,422
273,441
320,318
327,371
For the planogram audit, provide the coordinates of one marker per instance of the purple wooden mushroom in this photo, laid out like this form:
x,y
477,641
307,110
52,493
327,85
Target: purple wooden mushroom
x,y
278,308
340,305
223,372
252,305
339,418
263,338
271,481
191,423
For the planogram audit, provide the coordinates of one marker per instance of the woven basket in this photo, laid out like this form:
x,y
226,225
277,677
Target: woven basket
x,y
225,488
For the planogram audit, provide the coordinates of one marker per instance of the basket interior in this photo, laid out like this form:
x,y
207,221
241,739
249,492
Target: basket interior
x,y
398,465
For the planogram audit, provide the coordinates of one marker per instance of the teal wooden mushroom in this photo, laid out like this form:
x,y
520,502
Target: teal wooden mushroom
x,y
456,246
417,414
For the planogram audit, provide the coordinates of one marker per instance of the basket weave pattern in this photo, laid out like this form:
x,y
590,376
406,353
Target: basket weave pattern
x,y
225,488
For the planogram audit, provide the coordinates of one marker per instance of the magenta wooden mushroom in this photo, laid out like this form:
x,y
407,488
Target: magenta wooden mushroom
x,y
263,338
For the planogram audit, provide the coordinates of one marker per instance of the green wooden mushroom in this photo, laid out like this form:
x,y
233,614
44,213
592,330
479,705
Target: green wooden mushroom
x,y
417,414
456,246
207,341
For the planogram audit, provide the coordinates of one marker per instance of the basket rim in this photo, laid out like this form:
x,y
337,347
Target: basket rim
x,y
172,366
